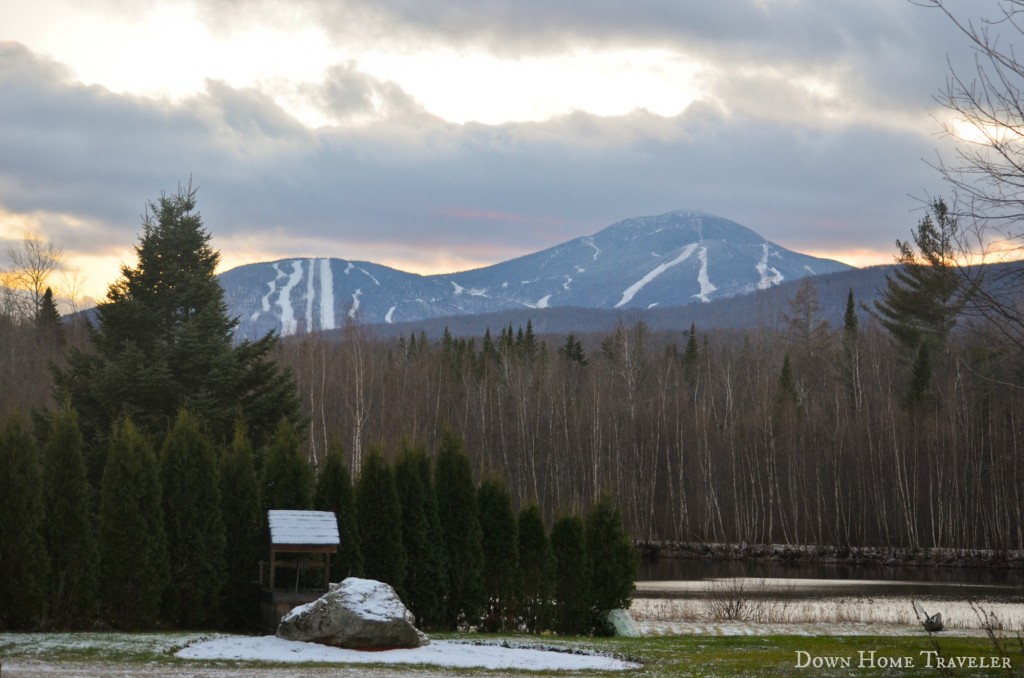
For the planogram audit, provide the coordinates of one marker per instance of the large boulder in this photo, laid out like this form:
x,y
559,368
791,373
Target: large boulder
x,y
358,614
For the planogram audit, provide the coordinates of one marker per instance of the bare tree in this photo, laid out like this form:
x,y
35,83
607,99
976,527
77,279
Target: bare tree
x,y
987,171
32,263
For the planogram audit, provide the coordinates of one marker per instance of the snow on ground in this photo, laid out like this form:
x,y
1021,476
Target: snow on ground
x,y
706,286
769,275
631,291
326,295
452,654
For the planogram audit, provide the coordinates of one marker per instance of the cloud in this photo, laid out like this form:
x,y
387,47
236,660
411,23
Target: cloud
x,y
85,160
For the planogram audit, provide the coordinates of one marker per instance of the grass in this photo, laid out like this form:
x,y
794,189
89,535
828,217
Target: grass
x,y
659,656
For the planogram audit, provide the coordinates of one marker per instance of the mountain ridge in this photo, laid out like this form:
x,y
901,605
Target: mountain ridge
x,y
667,260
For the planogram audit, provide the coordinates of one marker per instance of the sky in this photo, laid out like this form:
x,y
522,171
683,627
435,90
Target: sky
x,y
436,137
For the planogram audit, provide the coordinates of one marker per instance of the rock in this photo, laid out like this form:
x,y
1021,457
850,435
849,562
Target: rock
x,y
358,614
621,624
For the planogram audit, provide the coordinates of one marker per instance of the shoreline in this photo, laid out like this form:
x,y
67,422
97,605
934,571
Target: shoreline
x,y
835,555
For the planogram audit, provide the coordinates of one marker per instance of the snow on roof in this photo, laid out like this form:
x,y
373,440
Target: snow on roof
x,y
303,527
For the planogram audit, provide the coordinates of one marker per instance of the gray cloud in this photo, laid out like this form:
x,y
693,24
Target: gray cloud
x,y
416,180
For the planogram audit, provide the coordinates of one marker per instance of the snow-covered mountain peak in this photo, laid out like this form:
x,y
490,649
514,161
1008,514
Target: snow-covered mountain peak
x,y
670,259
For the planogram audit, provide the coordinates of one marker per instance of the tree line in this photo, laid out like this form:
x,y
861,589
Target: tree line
x,y
178,532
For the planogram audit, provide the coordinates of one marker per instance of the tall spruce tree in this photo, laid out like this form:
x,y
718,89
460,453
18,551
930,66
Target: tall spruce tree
x,y
500,530
24,565
460,528
613,560
286,481
163,341
572,615
380,522
70,536
243,530
425,576
536,570
194,526
926,293
334,492
133,568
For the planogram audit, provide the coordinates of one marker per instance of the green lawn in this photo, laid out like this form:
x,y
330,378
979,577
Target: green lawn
x,y
659,656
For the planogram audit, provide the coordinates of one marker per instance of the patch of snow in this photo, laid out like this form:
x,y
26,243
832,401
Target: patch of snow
x,y
302,527
476,292
769,276
355,303
446,653
809,270
459,289
590,241
504,285
543,303
288,323
631,291
377,282
568,281
652,305
271,286
706,287
580,269
348,269
389,314
327,321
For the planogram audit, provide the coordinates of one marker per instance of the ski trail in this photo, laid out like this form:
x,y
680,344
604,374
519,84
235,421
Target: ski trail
x,y
706,287
769,276
543,303
326,295
389,314
590,241
368,274
271,287
355,304
288,323
631,291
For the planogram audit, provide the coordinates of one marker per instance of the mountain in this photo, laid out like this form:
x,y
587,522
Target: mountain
x,y
669,260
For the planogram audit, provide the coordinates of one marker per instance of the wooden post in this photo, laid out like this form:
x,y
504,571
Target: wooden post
x,y
273,566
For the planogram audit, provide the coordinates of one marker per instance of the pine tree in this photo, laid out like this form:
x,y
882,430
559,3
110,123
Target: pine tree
x,y
133,568
163,341
24,565
925,295
572,615
536,570
500,530
572,351
851,353
380,522
920,378
48,321
613,560
426,578
334,492
70,538
787,382
243,530
460,527
691,352
194,526
286,481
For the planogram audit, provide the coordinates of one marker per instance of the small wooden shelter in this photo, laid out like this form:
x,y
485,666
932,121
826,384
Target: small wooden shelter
x,y
299,569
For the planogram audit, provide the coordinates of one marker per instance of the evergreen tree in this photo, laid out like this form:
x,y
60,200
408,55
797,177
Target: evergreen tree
x,y
925,295
787,382
851,353
691,352
194,526
334,492
133,568
48,321
613,560
572,615
24,565
426,578
572,351
380,522
536,570
243,530
163,341
286,481
460,527
70,538
920,378
500,542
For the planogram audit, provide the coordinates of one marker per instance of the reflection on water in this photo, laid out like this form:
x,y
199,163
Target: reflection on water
x,y
818,580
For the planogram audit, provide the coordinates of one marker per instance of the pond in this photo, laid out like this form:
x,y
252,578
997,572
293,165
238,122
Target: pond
x,y
810,580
